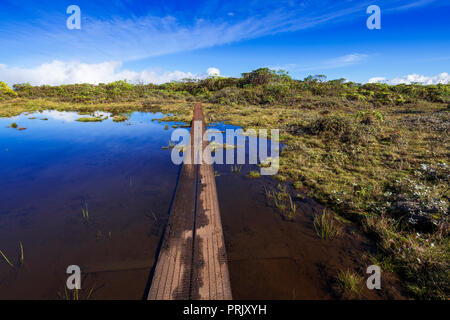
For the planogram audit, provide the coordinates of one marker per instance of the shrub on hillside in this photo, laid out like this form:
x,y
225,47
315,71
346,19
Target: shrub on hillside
x,y
6,92
343,128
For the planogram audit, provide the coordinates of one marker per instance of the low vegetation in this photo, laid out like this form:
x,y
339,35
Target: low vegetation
x,y
85,213
75,294
254,174
348,285
90,119
6,92
20,260
325,226
374,153
282,201
120,118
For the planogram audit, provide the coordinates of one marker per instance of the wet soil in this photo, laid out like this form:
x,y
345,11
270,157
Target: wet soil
x,y
271,258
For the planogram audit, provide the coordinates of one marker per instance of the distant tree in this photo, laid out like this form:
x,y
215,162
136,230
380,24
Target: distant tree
x,y
320,78
259,76
263,76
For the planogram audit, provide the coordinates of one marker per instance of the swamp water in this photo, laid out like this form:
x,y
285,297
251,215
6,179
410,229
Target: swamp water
x,y
97,195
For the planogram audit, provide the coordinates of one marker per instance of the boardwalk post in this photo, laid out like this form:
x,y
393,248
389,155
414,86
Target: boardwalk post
x,y
192,263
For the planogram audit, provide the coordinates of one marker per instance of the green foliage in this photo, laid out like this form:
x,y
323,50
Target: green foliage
x,y
349,284
369,118
254,174
324,225
258,87
21,258
6,92
258,77
120,118
90,119
282,201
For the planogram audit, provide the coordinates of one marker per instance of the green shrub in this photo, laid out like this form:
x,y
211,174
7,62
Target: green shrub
x,y
332,127
6,92
254,174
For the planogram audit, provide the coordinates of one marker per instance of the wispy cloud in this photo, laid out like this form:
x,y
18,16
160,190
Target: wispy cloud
x,y
411,5
344,61
332,63
124,38
120,31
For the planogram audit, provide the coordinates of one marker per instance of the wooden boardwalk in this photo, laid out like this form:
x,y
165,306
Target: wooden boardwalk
x,y
192,262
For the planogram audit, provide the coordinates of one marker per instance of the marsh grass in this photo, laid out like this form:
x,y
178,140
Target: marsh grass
x,y
75,294
268,194
349,284
324,225
120,118
90,119
85,213
21,259
6,259
170,146
254,175
292,212
417,258
236,168
282,201
154,217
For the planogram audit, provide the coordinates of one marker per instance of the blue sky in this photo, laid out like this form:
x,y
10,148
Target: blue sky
x,y
158,41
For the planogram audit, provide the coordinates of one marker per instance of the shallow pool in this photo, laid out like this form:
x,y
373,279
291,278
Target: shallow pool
x,y
97,195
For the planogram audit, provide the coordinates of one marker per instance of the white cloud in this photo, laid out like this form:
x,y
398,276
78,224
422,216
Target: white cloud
x,y
126,38
338,62
443,77
411,5
376,79
59,72
346,60
57,115
213,72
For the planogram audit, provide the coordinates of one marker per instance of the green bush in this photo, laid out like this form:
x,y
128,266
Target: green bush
x,y
6,92
344,129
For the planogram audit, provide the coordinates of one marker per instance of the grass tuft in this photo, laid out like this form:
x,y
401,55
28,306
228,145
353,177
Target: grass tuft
x,y
324,225
282,201
236,168
85,213
6,259
90,119
254,175
21,261
120,118
349,284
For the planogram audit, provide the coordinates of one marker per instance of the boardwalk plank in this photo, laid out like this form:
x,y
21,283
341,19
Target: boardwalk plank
x,y
189,268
